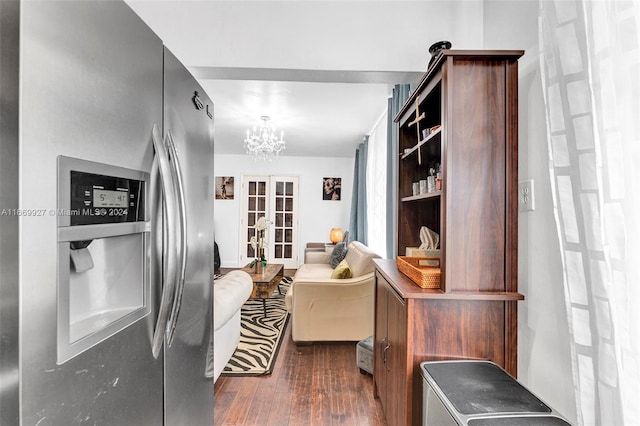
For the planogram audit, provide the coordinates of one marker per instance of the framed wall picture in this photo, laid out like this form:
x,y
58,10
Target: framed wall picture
x,y
224,187
331,188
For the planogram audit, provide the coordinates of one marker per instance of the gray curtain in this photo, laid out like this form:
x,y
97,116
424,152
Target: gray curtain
x,y
399,96
358,220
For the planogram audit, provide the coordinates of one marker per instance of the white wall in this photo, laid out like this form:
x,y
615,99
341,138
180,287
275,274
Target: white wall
x,y
544,354
316,216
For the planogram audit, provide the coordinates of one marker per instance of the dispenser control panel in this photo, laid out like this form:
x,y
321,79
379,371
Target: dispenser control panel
x,y
98,199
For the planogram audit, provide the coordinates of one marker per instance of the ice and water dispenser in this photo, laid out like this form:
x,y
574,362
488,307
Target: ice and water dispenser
x,y
103,252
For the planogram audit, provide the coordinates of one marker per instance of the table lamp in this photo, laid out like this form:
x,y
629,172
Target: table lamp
x,y
335,235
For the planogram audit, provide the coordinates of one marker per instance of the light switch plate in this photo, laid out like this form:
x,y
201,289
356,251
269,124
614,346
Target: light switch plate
x,y
526,200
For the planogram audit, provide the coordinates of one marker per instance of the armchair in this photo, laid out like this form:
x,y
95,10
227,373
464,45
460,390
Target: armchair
x,y
330,309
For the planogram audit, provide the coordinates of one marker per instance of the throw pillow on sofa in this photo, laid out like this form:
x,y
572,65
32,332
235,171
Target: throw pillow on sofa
x,y
338,254
342,271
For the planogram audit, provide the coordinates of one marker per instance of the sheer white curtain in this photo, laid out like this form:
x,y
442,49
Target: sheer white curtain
x,y
590,63
377,188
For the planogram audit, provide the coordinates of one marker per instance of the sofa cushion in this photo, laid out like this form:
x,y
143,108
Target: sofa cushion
x,y
338,253
342,271
316,256
359,257
313,270
229,294
345,237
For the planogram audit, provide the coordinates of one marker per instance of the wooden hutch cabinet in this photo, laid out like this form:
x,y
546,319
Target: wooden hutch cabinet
x,y
469,102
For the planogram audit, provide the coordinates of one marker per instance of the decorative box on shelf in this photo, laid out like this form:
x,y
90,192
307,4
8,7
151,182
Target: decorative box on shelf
x,y
424,271
417,252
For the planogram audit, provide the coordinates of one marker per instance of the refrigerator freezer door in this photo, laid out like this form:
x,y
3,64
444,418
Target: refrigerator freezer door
x,y
90,88
188,390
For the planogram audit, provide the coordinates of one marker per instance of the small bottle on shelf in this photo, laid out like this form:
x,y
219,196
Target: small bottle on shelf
x,y
431,180
423,186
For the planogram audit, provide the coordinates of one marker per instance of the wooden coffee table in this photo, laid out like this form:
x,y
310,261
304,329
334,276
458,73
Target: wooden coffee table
x,y
265,282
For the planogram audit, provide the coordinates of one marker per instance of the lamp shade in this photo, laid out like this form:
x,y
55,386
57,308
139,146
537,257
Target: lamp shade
x,y
335,235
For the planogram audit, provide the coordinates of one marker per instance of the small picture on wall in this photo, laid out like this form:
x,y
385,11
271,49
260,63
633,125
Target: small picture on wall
x,y
224,187
331,188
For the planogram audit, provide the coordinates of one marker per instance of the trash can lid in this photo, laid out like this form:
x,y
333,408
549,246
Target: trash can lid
x,y
481,387
519,421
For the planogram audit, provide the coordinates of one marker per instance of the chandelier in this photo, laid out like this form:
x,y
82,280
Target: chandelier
x,y
263,143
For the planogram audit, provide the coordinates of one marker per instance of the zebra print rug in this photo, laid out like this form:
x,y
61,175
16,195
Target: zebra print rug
x,y
260,337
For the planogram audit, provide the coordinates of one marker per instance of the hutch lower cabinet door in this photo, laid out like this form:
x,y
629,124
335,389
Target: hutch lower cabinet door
x,y
415,325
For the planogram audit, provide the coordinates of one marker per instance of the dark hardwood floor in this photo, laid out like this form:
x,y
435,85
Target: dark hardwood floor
x,y
319,384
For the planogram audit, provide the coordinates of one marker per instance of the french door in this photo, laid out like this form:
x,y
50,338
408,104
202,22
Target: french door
x,y
276,198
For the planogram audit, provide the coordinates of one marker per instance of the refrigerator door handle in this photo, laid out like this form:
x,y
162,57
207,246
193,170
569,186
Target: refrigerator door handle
x,y
169,260
182,241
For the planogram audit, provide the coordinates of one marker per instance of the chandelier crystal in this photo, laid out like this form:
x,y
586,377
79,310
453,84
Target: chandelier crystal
x,y
263,143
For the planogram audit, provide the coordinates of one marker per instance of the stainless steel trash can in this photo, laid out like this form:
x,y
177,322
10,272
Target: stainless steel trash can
x,y
479,393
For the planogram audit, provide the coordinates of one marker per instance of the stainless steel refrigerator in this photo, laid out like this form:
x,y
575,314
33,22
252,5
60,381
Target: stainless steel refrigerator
x,y
106,221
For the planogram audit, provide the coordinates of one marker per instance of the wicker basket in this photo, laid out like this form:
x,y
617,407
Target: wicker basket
x,y
424,271
416,252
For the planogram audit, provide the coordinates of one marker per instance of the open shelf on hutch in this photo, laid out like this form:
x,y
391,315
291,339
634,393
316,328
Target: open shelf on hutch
x,y
420,156
418,197
432,138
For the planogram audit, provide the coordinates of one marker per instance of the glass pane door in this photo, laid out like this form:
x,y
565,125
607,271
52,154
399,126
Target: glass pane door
x,y
284,216
255,205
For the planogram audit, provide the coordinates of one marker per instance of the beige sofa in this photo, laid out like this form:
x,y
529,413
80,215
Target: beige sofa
x,y
326,309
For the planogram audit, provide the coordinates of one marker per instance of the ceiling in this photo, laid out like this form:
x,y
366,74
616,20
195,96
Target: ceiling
x,y
322,70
